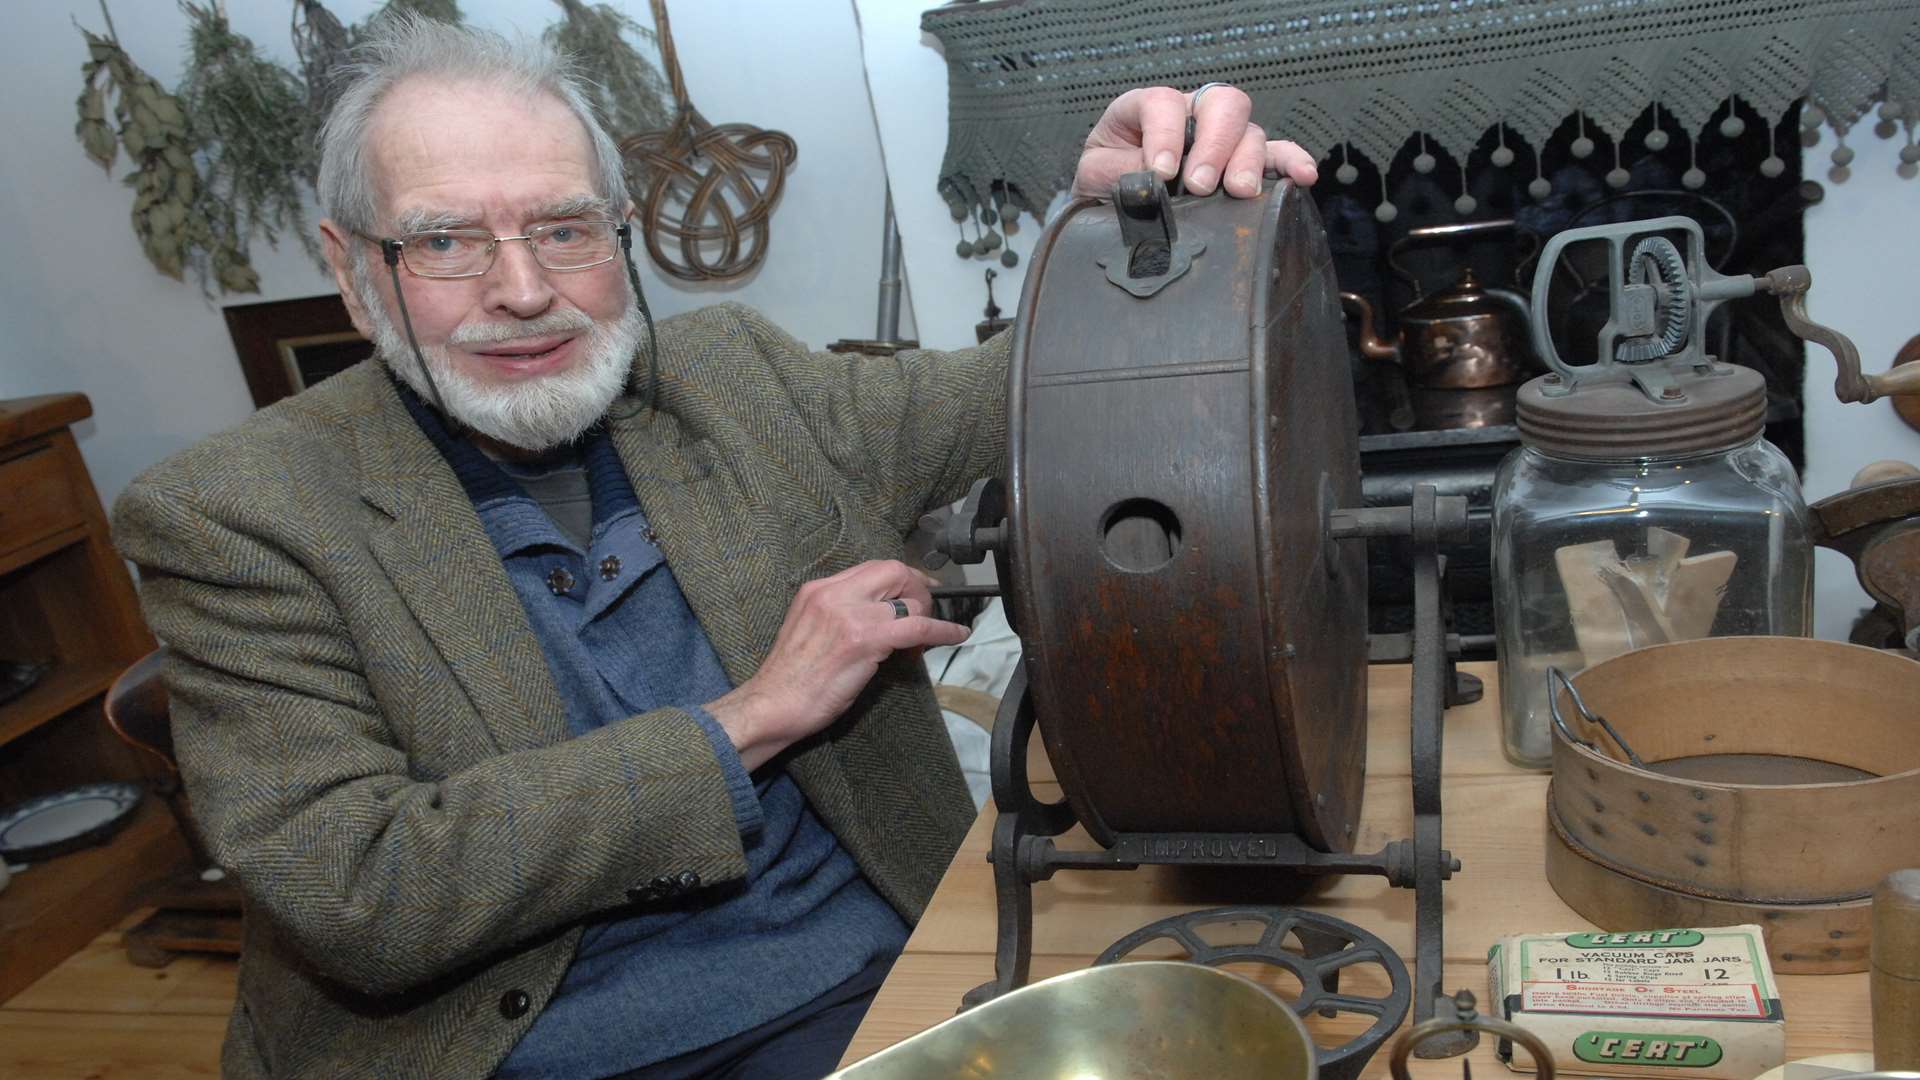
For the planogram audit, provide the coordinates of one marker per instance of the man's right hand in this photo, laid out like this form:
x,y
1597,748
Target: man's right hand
x,y
836,633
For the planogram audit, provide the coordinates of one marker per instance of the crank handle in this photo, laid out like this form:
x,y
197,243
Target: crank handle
x,y
1790,284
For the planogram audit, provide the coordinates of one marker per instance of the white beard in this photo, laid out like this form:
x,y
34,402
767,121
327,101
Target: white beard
x,y
537,414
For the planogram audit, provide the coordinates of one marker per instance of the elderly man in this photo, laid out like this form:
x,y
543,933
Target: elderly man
x,y
557,709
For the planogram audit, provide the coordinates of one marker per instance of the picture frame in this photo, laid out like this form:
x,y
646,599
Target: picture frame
x,y
286,346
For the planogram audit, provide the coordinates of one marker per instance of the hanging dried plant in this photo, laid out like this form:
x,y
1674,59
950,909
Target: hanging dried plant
x,y
628,91
177,223
247,119
323,43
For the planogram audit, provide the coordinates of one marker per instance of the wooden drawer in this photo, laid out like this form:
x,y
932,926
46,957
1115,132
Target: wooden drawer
x,y
36,497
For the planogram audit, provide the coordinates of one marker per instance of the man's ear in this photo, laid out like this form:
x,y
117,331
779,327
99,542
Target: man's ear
x,y
333,243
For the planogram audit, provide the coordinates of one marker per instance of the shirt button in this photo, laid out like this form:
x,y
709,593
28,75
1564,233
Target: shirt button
x,y
560,580
514,1004
651,535
609,568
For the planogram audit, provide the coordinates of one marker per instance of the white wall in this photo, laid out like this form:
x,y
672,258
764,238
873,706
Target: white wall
x,y
84,310
1863,245
908,78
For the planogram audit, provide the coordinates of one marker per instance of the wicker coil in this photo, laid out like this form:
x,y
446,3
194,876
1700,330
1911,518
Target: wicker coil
x,y
703,183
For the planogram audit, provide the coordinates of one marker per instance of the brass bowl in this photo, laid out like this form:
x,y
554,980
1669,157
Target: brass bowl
x,y
1144,1020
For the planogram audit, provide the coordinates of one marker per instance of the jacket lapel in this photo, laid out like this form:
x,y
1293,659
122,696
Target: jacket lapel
x,y
445,568
720,535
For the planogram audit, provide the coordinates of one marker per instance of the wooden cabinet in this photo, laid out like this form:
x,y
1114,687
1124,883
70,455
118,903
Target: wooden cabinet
x,y
66,599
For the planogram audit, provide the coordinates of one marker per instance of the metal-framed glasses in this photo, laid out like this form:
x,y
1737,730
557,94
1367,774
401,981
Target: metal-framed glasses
x,y
464,253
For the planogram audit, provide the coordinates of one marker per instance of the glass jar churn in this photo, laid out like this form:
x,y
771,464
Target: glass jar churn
x,y
1643,506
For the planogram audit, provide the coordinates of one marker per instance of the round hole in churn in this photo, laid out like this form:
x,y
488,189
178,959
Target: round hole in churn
x,y
1140,535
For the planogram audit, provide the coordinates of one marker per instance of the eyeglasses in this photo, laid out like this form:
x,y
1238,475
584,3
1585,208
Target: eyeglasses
x,y
462,253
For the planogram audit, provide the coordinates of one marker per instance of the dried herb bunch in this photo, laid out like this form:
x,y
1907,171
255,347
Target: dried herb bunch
x,y
322,43
628,91
235,154
170,207
247,119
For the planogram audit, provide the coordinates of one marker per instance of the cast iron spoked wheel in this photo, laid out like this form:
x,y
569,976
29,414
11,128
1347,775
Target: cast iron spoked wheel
x,y
1328,945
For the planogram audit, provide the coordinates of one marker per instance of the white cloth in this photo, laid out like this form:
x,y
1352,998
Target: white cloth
x,y
983,662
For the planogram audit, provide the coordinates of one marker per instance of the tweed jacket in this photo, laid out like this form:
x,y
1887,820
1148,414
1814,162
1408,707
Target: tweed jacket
x,y
372,741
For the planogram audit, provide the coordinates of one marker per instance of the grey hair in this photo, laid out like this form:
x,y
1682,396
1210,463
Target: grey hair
x,y
405,46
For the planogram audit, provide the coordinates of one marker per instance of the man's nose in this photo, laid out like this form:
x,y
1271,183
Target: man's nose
x,y
516,285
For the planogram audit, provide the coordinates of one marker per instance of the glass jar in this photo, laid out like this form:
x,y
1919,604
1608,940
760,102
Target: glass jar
x,y
1640,529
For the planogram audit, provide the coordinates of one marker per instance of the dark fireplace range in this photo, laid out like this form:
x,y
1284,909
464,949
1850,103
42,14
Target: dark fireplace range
x,y
1458,438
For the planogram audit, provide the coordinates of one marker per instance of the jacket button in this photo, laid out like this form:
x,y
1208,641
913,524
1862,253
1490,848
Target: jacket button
x,y
687,881
514,1004
640,894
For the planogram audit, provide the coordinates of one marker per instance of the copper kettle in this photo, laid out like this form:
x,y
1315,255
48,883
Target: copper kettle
x,y
1467,337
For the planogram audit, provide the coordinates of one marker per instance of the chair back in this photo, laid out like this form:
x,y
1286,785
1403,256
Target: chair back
x,y
136,709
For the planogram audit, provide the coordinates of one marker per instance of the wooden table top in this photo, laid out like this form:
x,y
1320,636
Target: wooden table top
x,y
1495,823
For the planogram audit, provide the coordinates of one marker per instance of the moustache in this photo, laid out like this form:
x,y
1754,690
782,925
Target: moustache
x,y
554,322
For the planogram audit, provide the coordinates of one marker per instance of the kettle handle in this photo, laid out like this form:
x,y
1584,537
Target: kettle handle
x,y
1520,308
1431,233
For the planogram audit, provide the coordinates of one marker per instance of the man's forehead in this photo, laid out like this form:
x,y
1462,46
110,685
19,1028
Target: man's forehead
x,y
460,148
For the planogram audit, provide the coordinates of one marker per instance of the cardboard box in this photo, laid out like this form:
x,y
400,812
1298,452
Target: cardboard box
x,y
1689,1002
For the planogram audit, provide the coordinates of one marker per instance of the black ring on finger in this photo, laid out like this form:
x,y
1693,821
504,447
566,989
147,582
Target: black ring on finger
x,y
899,608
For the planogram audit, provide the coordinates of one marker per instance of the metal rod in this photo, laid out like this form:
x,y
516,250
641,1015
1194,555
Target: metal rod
x,y
888,324
950,592
1450,519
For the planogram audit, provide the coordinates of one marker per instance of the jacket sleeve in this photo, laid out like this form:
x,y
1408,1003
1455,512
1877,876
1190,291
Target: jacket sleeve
x,y
911,432
386,880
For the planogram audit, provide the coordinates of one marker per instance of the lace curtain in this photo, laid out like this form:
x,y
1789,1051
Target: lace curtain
x,y
1467,84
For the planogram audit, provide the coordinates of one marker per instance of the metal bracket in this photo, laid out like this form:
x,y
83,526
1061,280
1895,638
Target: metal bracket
x,y
1152,255
1432,682
979,527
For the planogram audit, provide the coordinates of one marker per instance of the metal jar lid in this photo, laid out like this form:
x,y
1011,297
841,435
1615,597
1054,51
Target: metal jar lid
x,y
1612,418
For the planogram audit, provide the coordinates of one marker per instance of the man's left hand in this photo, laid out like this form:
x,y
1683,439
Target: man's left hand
x,y
1147,128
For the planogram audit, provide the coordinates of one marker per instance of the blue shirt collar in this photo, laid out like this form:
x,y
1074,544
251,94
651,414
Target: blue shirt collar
x,y
484,481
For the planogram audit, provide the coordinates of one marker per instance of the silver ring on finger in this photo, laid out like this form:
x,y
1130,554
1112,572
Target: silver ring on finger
x,y
1193,103
899,608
